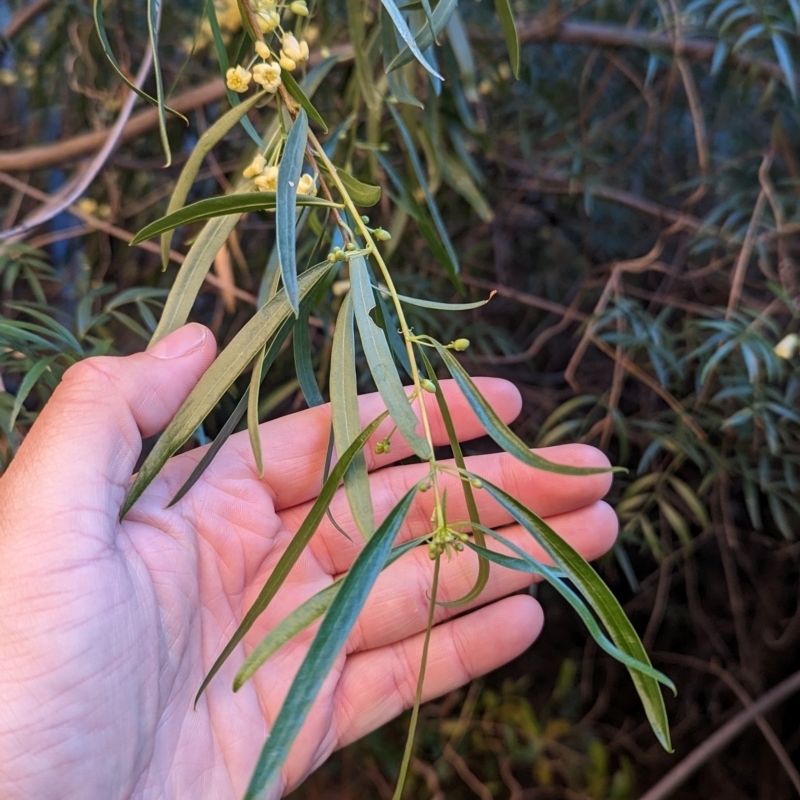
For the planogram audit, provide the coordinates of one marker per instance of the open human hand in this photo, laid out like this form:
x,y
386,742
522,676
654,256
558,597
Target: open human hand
x,y
107,628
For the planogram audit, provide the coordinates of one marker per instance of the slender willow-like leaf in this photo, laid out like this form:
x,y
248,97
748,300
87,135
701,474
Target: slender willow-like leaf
x,y
303,616
385,317
226,205
451,264
499,431
153,23
506,16
397,79
289,171
362,194
380,360
409,203
469,497
192,166
230,425
324,650
294,549
297,93
99,24
28,382
345,417
303,364
217,380
605,605
556,579
427,37
252,410
402,28
415,301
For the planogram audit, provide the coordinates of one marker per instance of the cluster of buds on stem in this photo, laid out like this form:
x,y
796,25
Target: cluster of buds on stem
x,y
443,539
293,53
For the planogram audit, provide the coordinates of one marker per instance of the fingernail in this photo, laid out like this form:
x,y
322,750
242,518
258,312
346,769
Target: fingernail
x,y
180,343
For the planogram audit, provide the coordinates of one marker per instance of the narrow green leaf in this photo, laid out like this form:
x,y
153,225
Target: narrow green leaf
x,y
398,80
500,432
600,598
192,166
784,57
469,497
289,172
252,410
385,316
324,650
401,26
297,93
459,179
28,382
506,16
692,501
294,549
459,41
99,24
230,425
303,616
426,37
227,205
362,194
409,203
451,264
346,420
153,23
381,363
415,301
217,379
524,563
303,365
192,273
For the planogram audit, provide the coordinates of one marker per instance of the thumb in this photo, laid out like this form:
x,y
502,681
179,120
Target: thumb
x,y
81,451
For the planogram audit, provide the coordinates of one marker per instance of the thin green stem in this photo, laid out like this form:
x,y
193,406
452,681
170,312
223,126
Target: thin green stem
x,y
412,728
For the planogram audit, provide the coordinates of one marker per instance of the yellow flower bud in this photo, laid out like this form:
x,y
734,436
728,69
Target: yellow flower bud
x,y
460,345
268,21
267,181
238,79
287,63
299,8
307,185
263,50
267,75
256,167
294,50
787,347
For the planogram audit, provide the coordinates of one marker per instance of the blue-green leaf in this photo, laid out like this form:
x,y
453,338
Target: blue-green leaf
x,y
289,172
405,34
381,362
324,650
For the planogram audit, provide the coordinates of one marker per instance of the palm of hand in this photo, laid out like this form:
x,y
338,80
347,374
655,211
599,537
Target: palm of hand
x,y
135,613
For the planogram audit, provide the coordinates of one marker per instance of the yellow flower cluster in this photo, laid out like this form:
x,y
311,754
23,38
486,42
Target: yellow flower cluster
x,y
293,52
266,178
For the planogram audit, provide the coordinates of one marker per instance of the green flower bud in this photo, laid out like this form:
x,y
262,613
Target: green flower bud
x,y
427,385
476,482
299,8
460,344
365,219
381,235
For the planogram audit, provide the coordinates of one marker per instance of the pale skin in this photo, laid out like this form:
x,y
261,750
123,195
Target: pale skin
x,y
107,628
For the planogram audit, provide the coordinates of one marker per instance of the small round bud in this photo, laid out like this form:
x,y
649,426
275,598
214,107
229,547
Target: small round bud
x,y
381,235
476,482
299,8
379,448
365,219
460,344
349,247
332,259
427,385
262,50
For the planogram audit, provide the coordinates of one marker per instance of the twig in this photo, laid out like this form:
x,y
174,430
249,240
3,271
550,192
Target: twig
x,y
82,180
120,233
737,280
25,15
717,741
744,698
